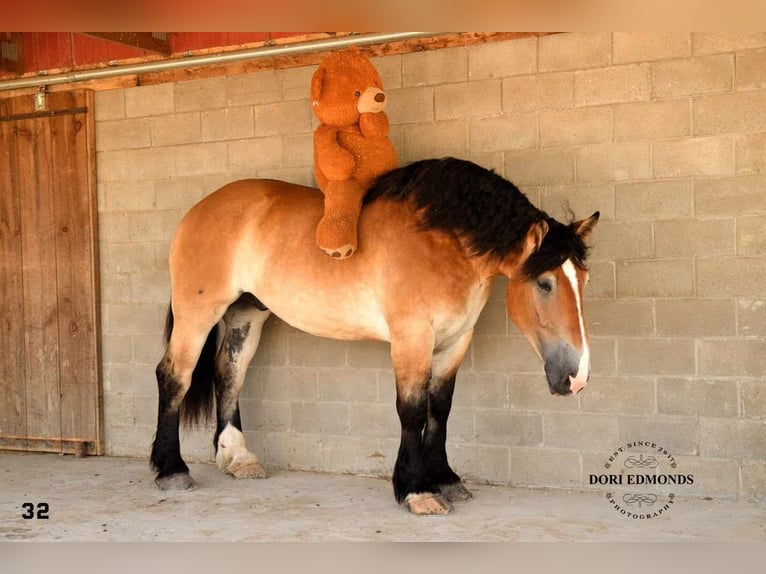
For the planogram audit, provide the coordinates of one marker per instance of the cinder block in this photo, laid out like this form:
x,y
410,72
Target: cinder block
x,y
115,287
538,92
266,416
580,430
714,42
678,435
287,384
347,385
136,195
695,317
148,348
118,409
130,440
730,277
390,70
612,85
574,51
130,379
730,196
296,82
298,150
176,129
128,257
179,193
150,286
112,166
540,167
145,409
433,140
612,162
150,100
694,237
116,349
732,438
153,225
574,127
130,318
654,200
693,157
650,356
713,477
551,467
374,421
647,46
730,113
510,132
614,240
481,390
697,397
751,316
509,354
207,94
434,67
109,105
490,463
304,417
369,355
195,159
476,99
359,455
410,106
250,89
603,355
732,357
494,426
652,120
256,154
499,59
283,118
750,153
227,124
620,317
461,427
531,393
602,283
692,76
493,319
629,395
754,480
122,134
751,70
578,201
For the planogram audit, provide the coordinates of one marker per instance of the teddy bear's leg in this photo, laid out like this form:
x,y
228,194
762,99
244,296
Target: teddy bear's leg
x,y
337,230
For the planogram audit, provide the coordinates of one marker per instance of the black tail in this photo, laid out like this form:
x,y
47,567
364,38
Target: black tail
x,y
199,402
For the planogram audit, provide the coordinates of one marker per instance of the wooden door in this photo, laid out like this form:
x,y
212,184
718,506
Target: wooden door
x,y
50,391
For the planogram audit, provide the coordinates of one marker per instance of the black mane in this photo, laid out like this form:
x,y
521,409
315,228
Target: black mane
x,y
479,205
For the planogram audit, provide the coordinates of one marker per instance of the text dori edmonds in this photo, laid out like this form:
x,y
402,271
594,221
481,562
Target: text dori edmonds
x,y
635,479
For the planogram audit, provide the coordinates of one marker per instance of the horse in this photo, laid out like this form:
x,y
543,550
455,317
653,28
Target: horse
x,y
433,236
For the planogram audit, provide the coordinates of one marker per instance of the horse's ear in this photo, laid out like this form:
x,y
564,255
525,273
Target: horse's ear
x,y
584,227
534,239
316,84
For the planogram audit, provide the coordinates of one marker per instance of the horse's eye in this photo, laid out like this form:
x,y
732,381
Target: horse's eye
x,y
357,94
544,285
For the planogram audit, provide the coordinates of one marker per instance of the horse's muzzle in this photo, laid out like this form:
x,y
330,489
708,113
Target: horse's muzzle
x,y
563,370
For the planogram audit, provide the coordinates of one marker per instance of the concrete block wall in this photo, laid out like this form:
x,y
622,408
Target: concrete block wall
x,y
665,134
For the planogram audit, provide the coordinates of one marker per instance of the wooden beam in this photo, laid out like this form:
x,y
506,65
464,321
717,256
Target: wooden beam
x,y
11,52
152,41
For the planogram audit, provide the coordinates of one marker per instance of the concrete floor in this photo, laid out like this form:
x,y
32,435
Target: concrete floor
x,y
114,499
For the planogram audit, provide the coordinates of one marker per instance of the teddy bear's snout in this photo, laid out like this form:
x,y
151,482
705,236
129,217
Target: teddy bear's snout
x,y
372,100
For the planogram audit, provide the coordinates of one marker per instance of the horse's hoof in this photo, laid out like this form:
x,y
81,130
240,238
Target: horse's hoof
x,y
249,470
428,504
456,492
178,482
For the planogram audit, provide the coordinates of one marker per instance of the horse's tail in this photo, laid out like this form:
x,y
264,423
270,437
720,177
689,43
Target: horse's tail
x,y
199,401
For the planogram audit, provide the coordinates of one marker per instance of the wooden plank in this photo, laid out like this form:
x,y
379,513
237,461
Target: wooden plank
x,y
41,359
11,52
153,42
49,444
13,419
77,325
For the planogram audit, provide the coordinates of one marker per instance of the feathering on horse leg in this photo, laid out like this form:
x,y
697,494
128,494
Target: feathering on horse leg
x,y
244,323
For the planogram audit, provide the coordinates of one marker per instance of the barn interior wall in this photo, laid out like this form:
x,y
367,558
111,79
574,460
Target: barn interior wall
x,y
664,134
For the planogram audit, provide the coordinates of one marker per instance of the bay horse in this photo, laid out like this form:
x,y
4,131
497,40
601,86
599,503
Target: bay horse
x,y
433,236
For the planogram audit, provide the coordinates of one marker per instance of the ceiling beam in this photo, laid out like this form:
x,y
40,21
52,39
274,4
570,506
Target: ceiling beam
x,y
11,52
153,41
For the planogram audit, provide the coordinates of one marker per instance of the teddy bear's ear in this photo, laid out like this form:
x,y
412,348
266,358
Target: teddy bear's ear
x,y
316,84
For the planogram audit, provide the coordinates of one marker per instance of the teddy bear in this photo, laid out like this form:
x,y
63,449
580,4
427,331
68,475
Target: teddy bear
x,y
351,144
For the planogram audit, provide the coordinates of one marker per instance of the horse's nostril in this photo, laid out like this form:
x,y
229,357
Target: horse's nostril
x,y
380,97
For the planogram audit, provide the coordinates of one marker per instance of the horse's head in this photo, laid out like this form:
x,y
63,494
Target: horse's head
x,y
545,300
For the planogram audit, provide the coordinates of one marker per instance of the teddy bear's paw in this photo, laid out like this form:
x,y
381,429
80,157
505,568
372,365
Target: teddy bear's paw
x,y
336,236
341,252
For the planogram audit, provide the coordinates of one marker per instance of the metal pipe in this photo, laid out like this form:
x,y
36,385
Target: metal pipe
x,y
209,59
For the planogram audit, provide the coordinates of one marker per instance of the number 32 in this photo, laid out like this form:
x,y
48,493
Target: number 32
x,y
29,510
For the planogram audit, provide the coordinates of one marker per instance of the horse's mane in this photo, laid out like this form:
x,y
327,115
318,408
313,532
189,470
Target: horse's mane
x,y
479,205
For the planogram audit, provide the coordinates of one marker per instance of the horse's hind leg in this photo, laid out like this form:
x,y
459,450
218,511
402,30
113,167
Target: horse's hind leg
x,y
243,322
444,369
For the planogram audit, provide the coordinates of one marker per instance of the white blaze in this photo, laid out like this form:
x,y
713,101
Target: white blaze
x,y
577,382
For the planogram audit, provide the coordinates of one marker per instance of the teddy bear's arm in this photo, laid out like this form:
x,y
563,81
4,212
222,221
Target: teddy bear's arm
x,y
374,125
335,162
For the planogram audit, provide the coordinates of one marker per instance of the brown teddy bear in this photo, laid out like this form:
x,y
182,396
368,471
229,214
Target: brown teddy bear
x,y
351,145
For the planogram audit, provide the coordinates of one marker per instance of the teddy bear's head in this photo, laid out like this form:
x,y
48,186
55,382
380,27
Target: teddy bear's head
x,y
345,85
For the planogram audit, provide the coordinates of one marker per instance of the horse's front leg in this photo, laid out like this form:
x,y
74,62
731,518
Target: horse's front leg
x,y
446,362
411,357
